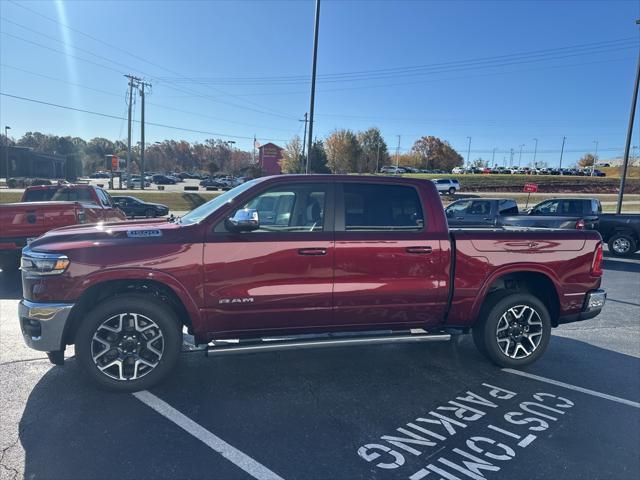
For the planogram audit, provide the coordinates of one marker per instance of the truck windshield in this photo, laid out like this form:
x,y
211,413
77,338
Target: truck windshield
x,y
203,211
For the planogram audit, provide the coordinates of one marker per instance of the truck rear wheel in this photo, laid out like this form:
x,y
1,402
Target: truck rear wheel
x,y
622,244
128,343
513,330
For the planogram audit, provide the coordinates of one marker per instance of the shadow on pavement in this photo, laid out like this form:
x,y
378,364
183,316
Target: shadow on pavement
x,y
304,414
620,266
10,284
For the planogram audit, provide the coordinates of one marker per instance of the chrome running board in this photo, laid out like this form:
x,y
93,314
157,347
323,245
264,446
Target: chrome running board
x,y
271,344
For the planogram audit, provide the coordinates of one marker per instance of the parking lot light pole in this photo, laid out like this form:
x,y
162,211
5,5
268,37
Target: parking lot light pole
x,y
595,158
468,151
564,139
493,157
625,162
6,152
535,151
520,156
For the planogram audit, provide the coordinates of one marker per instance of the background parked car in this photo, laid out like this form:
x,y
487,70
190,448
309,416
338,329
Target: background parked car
x,y
446,185
392,169
134,207
163,180
589,209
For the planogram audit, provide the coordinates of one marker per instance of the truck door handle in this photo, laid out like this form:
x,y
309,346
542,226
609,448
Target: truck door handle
x,y
487,218
312,251
459,218
419,250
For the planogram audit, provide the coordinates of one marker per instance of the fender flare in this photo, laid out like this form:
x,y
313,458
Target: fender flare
x,y
509,269
110,275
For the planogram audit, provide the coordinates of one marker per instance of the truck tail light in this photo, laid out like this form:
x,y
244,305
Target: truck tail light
x,y
81,216
580,224
596,266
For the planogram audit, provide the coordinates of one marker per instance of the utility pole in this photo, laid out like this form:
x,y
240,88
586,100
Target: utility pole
x,y
535,151
511,159
520,156
564,139
313,78
133,82
378,158
398,154
595,158
253,150
143,86
304,141
625,163
469,152
493,157
6,153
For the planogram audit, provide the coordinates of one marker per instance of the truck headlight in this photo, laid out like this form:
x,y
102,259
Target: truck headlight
x,y
36,263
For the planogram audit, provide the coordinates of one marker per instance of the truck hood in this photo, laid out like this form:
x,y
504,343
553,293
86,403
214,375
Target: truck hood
x,y
135,231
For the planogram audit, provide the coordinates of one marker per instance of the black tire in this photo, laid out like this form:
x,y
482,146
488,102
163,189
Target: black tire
x,y
452,191
149,213
622,244
146,308
485,334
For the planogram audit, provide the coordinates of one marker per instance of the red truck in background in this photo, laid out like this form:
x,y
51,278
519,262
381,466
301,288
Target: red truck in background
x,y
294,261
45,207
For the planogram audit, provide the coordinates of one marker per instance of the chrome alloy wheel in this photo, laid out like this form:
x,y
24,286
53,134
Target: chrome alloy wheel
x,y
519,331
127,346
621,245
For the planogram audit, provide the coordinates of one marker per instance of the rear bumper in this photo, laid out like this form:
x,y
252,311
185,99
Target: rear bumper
x,y
43,324
593,303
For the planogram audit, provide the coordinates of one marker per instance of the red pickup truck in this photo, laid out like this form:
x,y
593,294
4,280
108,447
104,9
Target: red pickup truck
x,y
294,261
45,207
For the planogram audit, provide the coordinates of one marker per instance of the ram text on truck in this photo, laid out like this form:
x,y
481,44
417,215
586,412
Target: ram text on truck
x,y
290,255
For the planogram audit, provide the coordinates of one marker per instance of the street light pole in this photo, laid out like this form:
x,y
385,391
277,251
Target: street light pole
x,y
313,79
535,151
469,152
564,139
520,156
595,158
625,163
6,153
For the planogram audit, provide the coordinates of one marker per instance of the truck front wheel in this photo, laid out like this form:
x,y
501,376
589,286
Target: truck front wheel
x,y
128,343
513,330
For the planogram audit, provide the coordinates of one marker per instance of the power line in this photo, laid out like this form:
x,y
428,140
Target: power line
x,y
106,115
148,103
547,54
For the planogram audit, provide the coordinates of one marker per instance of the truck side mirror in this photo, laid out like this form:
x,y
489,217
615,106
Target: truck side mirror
x,y
243,220
449,213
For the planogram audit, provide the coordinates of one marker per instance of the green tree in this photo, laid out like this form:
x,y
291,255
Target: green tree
x,y
436,154
343,151
291,155
373,149
318,158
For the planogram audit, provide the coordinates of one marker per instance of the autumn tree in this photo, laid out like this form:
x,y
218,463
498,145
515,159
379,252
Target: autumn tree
x,y
436,153
291,156
343,151
373,151
587,160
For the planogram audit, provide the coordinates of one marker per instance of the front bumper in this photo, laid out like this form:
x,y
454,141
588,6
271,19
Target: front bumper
x,y
593,303
43,324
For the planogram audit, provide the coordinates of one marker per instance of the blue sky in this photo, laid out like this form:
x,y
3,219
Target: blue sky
x,y
499,72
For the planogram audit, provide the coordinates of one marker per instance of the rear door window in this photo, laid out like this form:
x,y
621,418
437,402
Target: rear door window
x,y
508,208
40,195
371,207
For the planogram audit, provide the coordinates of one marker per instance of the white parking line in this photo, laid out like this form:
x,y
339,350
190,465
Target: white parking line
x,y
573,387
243,461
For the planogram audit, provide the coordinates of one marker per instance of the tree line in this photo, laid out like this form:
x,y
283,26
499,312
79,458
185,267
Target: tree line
x,y
342,151
346,151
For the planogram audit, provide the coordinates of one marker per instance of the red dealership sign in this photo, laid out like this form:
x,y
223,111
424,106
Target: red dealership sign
x,y
530,187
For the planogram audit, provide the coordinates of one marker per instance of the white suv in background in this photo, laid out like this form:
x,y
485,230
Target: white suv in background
x,y
446,185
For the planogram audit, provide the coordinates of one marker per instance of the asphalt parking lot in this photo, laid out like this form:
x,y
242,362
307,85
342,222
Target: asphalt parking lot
x,y
407,411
